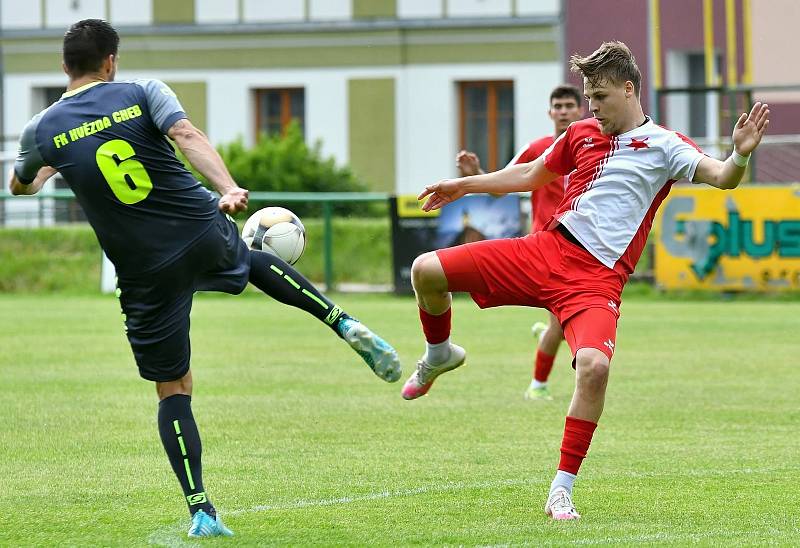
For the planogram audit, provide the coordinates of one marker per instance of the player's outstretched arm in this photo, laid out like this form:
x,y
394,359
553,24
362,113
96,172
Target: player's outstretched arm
x,y
747,134
514,178
18,188
194,144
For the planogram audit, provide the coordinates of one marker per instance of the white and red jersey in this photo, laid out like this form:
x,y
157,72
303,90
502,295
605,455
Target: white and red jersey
x,y
617,185
544,200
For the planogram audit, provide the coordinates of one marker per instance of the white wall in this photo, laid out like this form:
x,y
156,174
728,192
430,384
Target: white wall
x,y
538,7
274,10
216,11
478,8
325,10
62,13
125,12
411,9
17,14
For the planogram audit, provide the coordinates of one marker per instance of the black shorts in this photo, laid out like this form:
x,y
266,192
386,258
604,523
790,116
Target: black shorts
x,y
156,306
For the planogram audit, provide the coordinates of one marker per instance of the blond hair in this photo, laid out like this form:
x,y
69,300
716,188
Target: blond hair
x,y
612,62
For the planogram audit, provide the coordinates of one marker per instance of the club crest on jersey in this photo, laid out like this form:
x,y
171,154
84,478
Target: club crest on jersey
x,y
636,144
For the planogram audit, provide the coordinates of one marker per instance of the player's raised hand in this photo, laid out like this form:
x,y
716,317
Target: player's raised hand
x,y
233,201
441,193
468,163
750,128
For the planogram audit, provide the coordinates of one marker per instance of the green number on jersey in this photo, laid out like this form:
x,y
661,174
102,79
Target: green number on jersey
x,y
126,176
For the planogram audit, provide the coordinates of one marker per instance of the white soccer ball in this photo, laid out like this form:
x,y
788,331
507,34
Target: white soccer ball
x,y
276,230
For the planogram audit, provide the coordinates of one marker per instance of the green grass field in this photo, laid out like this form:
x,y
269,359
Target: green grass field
x,y
304,446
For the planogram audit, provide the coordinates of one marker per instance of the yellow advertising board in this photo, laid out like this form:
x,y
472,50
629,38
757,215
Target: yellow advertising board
x,y
745,239
409,206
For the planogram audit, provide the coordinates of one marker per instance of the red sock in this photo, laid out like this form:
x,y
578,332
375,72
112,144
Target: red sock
x,y
543,366
436,328
577,437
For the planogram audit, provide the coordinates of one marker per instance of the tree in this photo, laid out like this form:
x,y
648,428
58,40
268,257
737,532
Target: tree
x,y
285,163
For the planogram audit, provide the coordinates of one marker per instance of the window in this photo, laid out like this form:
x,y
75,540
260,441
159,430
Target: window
x,y
703,107
45,96
696,113
63,210
275,108
487,121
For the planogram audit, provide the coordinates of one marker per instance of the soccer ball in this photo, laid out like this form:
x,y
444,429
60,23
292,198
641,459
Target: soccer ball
x,y
276,230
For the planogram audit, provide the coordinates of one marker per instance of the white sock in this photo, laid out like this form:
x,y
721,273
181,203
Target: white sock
x,y
437,353
563,479
537,384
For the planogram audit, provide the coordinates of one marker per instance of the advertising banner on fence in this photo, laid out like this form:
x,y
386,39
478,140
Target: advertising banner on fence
x,y
745,239
472,218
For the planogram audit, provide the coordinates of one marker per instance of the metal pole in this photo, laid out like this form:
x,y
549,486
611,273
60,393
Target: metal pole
x,y
654,36
2,100
708,42
731,45
747,77
327,244
751,172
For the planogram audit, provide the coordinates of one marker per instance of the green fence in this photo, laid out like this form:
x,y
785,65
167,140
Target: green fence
x,y
43,212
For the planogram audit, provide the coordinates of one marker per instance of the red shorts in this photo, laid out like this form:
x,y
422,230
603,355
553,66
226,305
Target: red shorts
x,y
544,270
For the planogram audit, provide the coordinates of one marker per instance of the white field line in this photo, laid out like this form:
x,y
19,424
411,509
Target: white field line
x,y
636,539
455,486
175,534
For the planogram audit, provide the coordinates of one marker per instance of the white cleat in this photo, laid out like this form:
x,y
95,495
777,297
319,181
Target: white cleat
x,y
421,380
559,505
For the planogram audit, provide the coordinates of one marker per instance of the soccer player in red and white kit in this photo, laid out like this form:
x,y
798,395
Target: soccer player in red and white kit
x,y
566,106
621,167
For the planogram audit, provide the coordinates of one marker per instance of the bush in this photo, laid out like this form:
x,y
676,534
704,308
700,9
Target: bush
x,y
287,164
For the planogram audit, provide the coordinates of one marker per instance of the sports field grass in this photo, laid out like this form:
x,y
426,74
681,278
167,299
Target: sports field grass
x,y
304,446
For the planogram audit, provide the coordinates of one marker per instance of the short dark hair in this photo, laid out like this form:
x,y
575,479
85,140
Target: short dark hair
x,y
566,90
86,44
612,62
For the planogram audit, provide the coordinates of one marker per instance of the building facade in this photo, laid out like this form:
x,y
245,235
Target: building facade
x,y
391,87
395,88
749,45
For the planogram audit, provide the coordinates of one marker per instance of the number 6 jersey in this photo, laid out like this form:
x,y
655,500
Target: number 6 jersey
x,y
107,139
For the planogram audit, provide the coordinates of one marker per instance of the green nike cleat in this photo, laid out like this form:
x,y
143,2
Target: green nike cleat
x,y
538,393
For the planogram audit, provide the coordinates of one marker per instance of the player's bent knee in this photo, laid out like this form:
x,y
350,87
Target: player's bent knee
x,y
427,273
592,366
179,386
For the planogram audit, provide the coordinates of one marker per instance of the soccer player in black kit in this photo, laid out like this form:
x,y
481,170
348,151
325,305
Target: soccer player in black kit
x,y
165,233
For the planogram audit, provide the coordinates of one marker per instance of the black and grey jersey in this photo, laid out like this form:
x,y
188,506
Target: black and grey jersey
x,y
107,140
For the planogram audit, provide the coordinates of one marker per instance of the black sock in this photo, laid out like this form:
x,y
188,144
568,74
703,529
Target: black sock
x,y
283,283
182,443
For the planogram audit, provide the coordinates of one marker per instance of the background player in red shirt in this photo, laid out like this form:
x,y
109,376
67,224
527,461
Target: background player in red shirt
x,y
621,167
566,106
